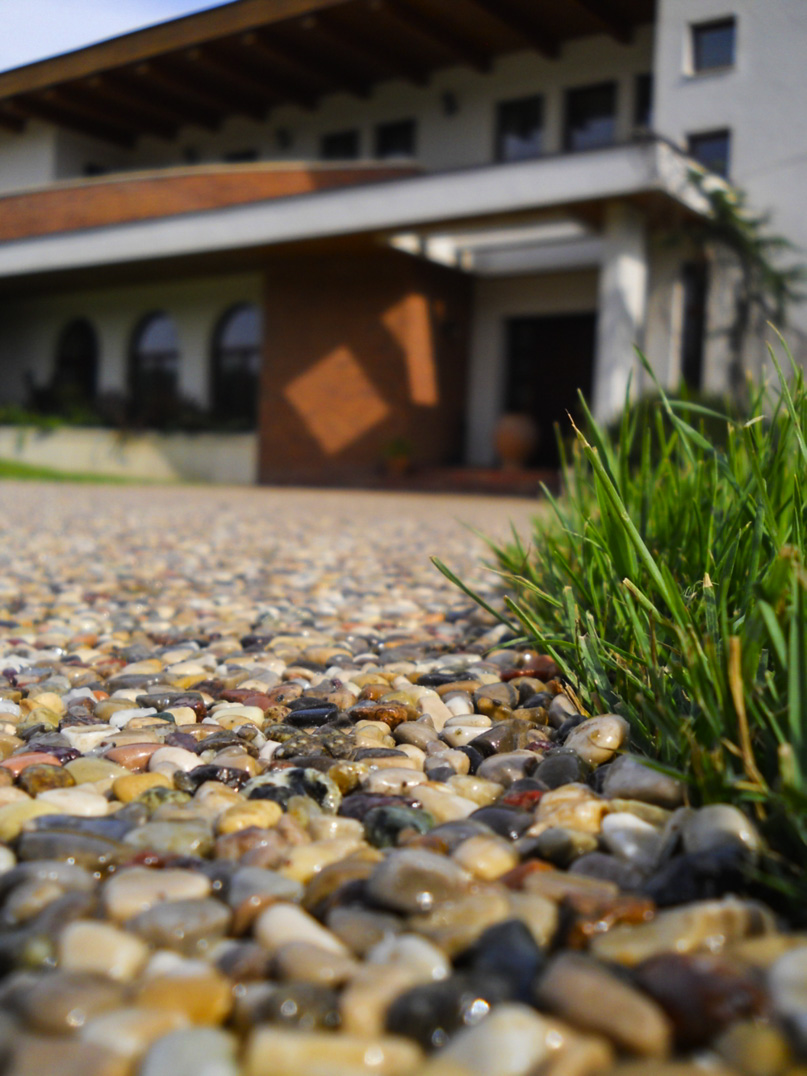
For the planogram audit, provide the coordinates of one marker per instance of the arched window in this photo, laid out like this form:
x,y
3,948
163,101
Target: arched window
x,y
237,364
154,364
75,377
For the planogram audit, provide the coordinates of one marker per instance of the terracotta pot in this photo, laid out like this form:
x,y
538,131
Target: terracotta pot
x,y
397,466
515,438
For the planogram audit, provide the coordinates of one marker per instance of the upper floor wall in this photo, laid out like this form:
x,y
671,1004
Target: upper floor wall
x,y
454,118
28,159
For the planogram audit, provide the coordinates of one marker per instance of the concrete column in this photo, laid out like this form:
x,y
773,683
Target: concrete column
x,y
622,304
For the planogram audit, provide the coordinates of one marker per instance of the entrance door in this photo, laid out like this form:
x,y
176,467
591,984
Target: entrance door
x,y
548,360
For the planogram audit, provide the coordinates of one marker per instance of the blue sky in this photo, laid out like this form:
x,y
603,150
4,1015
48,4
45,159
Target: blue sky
x,y
33,29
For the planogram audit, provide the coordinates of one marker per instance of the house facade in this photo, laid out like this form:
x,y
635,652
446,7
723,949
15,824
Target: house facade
x,y
356,224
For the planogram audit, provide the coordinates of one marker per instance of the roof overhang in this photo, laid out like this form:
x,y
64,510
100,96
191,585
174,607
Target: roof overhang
x,y
249,56
578,185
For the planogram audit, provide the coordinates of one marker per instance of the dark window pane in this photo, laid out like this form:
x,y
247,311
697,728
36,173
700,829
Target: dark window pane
x,y
520,129
395,139
712,149
340,146
154,367
237,364
591,116
713,45
76,373
693,328
643,102
241,156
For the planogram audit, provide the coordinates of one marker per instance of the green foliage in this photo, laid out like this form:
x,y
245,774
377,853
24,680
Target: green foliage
x,y
674,592
766,288
731,224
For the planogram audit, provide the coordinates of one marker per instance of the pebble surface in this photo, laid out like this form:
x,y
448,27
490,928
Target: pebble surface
x,y
275,798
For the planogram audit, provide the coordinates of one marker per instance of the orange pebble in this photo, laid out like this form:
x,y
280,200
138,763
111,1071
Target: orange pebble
x,y
18,763
134,756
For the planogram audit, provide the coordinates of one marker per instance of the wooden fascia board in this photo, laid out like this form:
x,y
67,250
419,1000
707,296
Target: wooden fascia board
x,y
142,45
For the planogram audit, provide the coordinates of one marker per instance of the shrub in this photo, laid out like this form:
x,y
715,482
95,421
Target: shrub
x,y
674,592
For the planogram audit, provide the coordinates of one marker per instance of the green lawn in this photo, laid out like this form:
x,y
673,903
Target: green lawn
x,y
26,472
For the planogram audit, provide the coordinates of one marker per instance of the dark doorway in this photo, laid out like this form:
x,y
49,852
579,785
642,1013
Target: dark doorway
x,y
548,360
76,373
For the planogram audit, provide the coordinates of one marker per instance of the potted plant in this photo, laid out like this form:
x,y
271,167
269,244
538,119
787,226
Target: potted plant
x,y
398,457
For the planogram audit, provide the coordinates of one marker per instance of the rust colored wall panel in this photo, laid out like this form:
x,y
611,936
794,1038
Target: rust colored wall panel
x,y
361,350
94,203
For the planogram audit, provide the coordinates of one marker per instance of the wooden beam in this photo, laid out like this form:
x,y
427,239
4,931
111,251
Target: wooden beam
x,y
96,103
609,20
160,117
231,18
249,65
244,96
309,73
525,25
341,76
169,80
63,116
157,93
450,39
391,61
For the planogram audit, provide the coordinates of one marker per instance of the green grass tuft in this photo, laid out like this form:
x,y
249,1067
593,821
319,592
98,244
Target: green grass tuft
x,y
673,590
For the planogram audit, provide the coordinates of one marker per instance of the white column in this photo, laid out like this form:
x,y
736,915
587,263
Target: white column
x,y
622,305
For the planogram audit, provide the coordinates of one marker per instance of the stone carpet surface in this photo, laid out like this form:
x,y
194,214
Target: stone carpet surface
x,y
275,800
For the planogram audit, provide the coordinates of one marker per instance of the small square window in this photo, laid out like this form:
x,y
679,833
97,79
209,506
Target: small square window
x,y
520,129
712,149
643,102
590,117
396,139
340,146
713,45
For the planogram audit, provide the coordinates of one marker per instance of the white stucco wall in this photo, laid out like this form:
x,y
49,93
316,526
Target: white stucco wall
x,y
761,100
27,159
230,458
30,328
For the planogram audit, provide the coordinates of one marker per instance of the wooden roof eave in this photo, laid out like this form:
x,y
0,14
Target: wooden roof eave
x,y
142,45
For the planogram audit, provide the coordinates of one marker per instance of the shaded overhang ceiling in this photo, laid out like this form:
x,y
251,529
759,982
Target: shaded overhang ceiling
x,y
250,56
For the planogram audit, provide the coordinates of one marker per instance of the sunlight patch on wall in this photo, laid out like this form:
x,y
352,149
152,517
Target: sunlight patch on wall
x,y
409,322
336,401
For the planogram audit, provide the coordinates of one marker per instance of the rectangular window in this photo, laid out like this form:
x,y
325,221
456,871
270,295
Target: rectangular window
x,y
713,45
339,146
520,129
396,139
241,156
712,149
590,117
643,102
